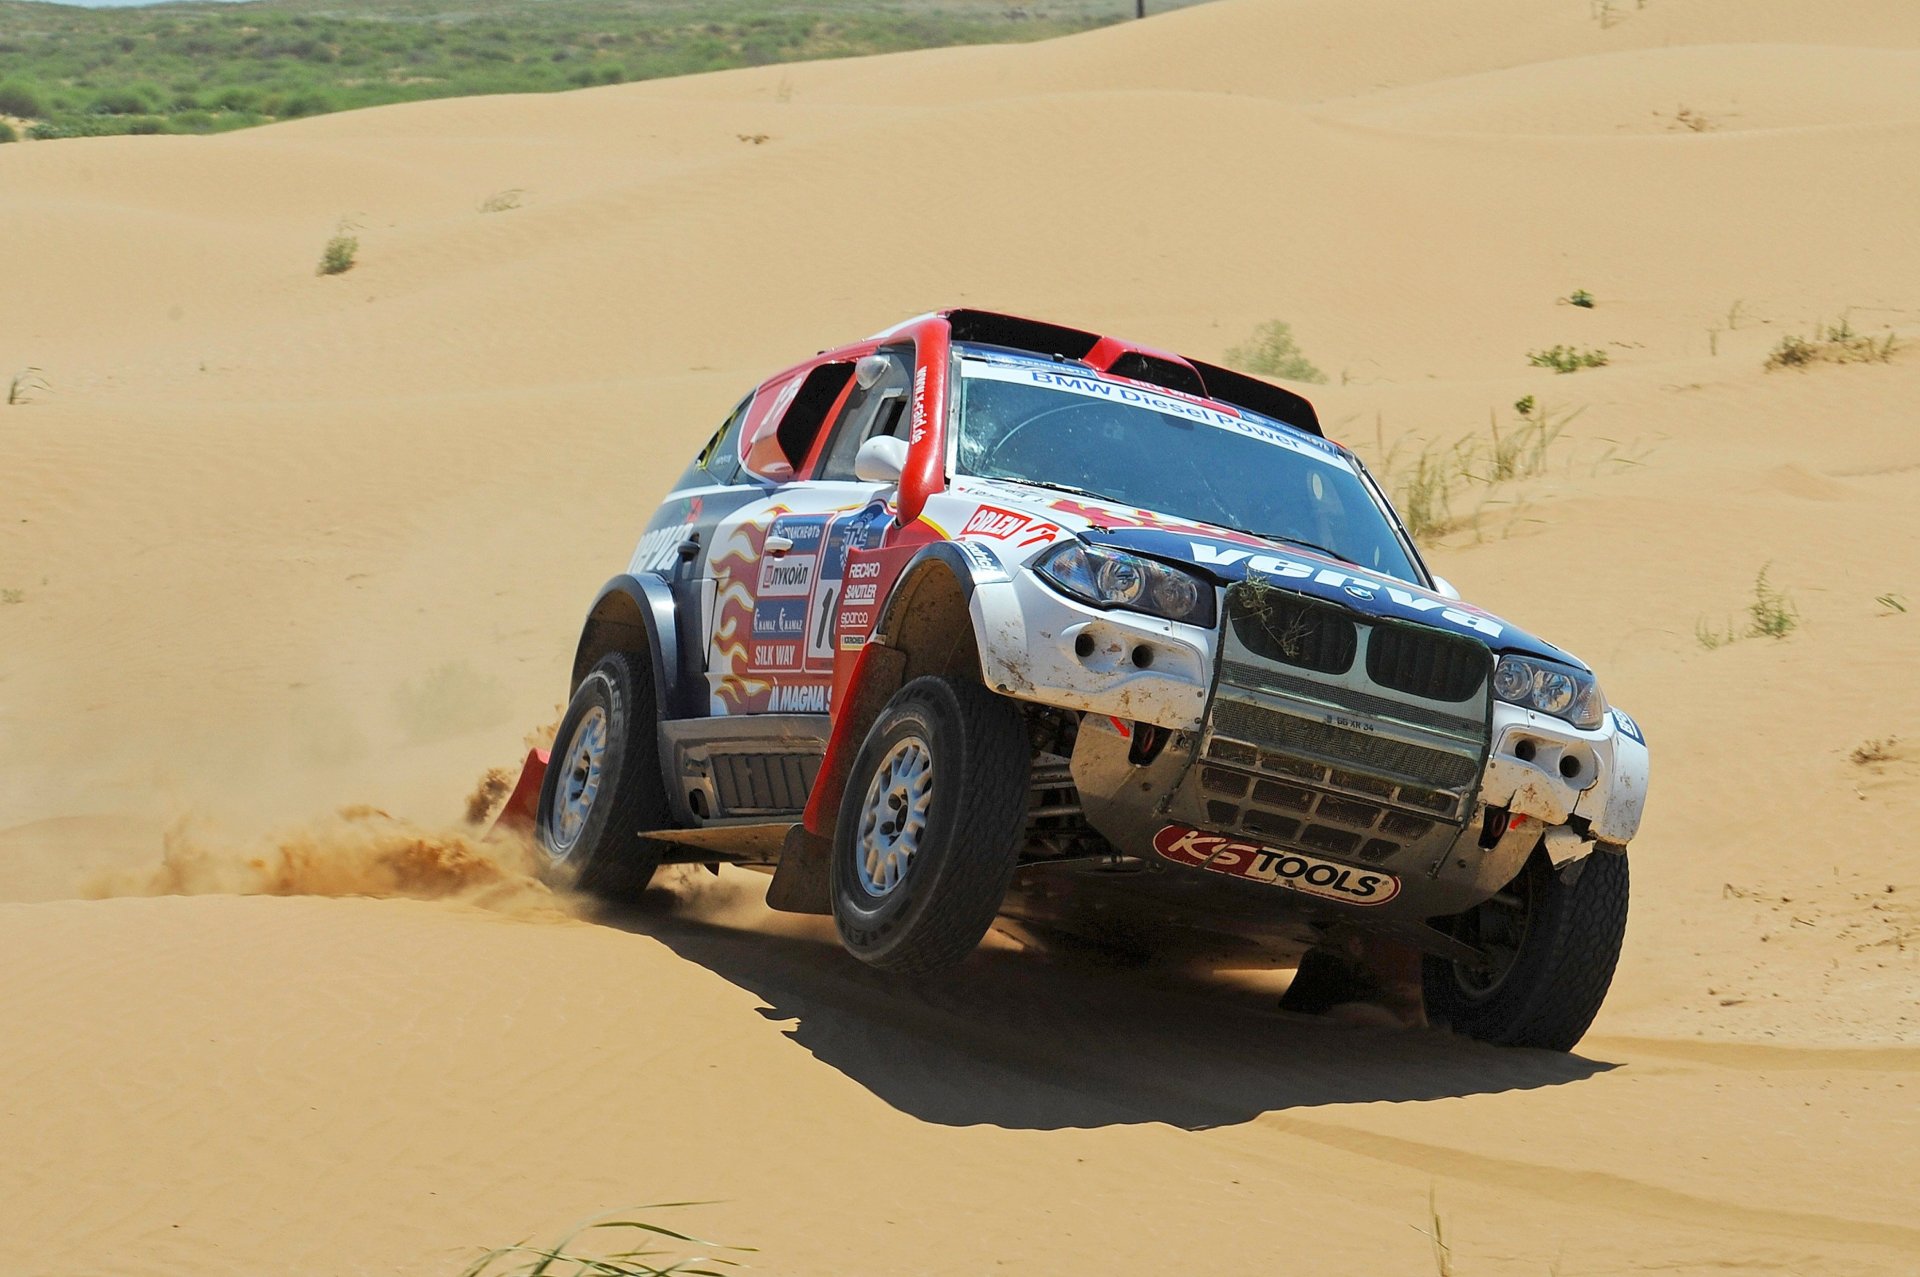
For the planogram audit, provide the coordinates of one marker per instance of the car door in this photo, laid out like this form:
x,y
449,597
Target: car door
x,y
780,563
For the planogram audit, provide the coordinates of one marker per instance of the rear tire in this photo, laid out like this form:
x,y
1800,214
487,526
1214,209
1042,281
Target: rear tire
x,y
1556,952
603,787
929,827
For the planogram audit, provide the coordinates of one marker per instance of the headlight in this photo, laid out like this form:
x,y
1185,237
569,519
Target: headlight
x,y
1551,688
1113,578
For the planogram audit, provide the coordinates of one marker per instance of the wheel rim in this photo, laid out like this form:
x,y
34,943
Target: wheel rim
x,y
579,784
893,819
1498,929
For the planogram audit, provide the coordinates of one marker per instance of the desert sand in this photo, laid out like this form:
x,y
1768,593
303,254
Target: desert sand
x,y
275,545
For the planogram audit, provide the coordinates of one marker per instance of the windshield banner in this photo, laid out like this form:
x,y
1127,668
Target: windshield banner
x,y
1091,386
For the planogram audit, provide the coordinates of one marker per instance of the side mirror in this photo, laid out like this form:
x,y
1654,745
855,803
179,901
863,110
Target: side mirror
x,y
881,459
1444,588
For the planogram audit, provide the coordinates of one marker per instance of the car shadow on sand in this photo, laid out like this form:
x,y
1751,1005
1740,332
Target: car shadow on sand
x,y
1027,1039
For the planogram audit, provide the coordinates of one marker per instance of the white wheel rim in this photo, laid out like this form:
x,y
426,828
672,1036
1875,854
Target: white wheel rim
x,y
893,819
579,782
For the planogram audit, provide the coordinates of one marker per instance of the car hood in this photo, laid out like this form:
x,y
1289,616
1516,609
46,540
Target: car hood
x,y
1225,556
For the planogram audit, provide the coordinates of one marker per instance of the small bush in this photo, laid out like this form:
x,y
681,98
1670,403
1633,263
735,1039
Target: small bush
x,y
1835,343
1771,612
130,101
1770,615
1566,359
502,201
338,256
8,133
1272,352
1580,297
13,596
1864,755
21,101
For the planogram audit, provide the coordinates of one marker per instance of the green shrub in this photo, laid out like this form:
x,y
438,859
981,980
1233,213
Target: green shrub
x,y
1272,352
20,101
1567,359
1770,615
128,101
338,256
8,133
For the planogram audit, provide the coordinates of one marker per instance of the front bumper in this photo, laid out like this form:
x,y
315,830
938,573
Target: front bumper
x,y
1344,794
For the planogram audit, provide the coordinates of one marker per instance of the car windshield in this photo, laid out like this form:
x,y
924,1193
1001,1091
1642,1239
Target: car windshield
x,y
1048,425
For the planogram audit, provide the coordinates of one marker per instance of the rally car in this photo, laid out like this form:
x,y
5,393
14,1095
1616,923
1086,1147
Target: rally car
x,y
985,618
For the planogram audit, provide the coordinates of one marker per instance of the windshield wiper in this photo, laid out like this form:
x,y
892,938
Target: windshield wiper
x,y
1057,487
1306,545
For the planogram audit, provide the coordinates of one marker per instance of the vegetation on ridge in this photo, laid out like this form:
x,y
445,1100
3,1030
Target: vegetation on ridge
x,y
201,68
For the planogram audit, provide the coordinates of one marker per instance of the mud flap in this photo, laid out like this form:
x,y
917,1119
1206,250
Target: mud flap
x,y
801,881
522,808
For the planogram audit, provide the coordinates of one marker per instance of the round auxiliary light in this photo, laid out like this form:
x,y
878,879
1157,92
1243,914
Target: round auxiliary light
x,y
1120,580
1513,681
1176,593
1553,691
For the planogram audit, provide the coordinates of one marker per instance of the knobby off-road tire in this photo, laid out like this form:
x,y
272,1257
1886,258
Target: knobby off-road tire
x,y
928,834
603,785
1562,956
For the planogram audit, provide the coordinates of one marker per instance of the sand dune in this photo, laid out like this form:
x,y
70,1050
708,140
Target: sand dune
x,y
283,544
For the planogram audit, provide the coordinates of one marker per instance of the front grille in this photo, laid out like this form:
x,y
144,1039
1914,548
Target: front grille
x,y
1424,662
1279,683
1339,733
1255,724
1309,817
1289,628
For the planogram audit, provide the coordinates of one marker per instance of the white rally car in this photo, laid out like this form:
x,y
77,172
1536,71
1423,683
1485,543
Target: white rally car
x,y
984,617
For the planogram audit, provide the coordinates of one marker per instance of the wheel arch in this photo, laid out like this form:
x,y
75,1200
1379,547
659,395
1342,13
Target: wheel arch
x,y
925,627
634,613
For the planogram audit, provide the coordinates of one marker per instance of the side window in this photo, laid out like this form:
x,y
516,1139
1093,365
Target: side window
x,y
876,406
719,460
780,434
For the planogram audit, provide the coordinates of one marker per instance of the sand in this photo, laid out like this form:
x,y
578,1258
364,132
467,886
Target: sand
x,y
279,545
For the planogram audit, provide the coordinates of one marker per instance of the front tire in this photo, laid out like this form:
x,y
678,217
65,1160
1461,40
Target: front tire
x,y
603,787
928,834
1553,941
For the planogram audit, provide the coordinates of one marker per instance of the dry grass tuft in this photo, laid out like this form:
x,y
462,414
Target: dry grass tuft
x,y
1835,343
1876,751
644,1258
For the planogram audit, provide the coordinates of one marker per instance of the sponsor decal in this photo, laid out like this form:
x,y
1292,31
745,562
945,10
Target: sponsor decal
x,y
659,548
1005,525
844,583
801,698
1359,587
780,619
773,656
1627,726
785,577
1296,871
918,421
785,584
985,566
